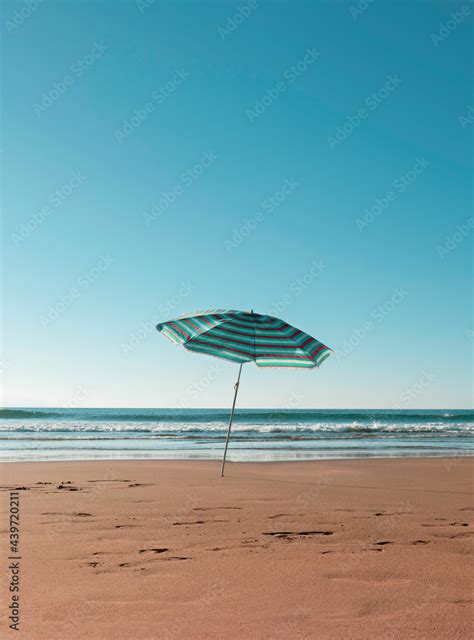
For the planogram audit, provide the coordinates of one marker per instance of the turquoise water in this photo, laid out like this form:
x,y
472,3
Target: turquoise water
x,y
257,435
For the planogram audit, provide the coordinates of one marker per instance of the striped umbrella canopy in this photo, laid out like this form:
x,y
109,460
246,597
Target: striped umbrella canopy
x,y
242,336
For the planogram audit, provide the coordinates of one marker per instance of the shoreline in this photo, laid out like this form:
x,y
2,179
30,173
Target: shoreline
x,y
153,548
261,435
216,459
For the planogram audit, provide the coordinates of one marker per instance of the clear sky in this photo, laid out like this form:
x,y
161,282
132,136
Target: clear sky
x,y
307,160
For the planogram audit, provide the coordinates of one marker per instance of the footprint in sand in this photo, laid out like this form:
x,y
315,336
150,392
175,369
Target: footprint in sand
x,y
214,508
294,534
448,524
79,514
109,481
464,534
286,515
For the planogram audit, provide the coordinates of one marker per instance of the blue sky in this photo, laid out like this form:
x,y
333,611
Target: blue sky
x,y
308,160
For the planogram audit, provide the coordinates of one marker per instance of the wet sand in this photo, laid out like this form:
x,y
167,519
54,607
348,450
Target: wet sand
x,y
167,549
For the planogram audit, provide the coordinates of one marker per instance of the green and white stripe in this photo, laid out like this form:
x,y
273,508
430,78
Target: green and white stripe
x,y
241,337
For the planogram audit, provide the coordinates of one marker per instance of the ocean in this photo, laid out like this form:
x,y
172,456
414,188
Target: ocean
x,y
257,434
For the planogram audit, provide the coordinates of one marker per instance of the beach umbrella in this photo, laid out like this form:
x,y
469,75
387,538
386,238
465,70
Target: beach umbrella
x,y
242,336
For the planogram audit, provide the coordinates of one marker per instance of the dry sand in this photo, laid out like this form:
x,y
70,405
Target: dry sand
x,y
167,549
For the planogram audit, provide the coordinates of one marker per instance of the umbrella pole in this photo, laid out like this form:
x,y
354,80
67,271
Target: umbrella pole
x,y
236,387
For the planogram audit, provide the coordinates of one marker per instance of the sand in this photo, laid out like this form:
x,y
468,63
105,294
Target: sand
x,y
167,549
